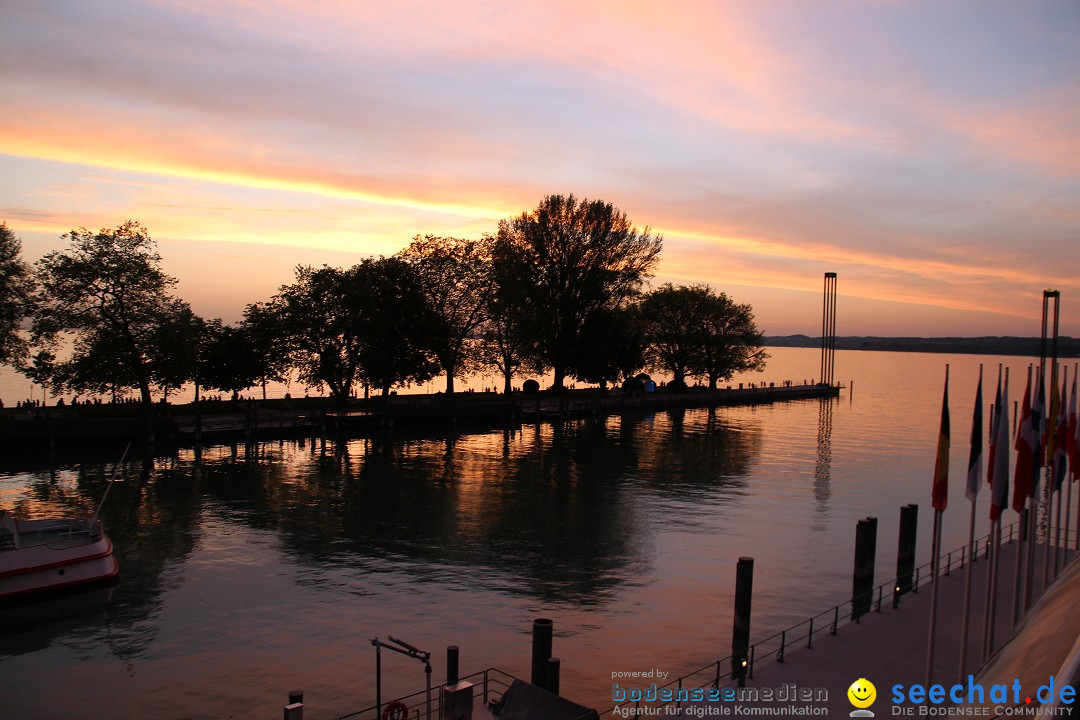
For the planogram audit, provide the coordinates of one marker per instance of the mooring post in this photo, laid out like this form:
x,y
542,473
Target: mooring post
x,y
541,650
862,585
296,696
553,675
451,664
295,709
740,635
905,551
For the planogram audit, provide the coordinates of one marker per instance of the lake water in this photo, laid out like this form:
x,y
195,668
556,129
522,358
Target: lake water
x,y
252,573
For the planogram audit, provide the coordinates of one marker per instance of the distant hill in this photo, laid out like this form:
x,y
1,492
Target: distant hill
x,y
1067,347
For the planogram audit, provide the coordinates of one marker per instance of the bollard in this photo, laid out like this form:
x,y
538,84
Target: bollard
x,y
553,675
294,711
451,664
541,650
905,551
296,696
740,635
862,584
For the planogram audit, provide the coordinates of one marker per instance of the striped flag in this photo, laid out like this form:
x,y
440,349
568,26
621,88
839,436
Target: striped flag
x,y
975,459
940,492
999,491
1026,438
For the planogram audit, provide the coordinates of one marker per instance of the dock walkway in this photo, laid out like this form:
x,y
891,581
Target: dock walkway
x,y
890,647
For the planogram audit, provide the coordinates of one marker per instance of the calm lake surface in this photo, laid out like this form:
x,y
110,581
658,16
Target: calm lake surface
x,y
251,573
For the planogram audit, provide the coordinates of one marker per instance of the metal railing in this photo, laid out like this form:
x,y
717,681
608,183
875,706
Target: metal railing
x,y
697,683
492,683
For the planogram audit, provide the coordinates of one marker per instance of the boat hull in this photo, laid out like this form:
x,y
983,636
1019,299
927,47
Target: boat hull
x,y
56,564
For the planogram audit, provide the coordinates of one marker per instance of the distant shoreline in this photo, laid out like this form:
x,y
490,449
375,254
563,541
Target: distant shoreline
x,y
1067,347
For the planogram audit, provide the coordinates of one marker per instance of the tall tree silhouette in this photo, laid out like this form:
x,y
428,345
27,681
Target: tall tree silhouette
x,y
16,287
108,291
572,258
455,277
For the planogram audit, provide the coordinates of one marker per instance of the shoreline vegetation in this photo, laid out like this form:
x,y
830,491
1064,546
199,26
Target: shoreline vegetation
x,y
988,345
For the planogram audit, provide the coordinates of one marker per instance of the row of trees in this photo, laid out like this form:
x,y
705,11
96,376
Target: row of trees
x,y
556,288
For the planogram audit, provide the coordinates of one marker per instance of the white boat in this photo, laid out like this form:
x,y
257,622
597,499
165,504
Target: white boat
x,y
38,556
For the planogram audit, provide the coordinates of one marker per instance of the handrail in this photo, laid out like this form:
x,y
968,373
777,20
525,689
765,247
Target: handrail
x,y
494,683
787,640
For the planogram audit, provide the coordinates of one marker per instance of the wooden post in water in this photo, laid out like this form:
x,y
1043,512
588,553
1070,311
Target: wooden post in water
x,y
862,585
541,650
905,551
553,675
740,635
451,664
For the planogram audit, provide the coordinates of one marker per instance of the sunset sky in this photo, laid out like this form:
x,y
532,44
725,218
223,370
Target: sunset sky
x,y
927,152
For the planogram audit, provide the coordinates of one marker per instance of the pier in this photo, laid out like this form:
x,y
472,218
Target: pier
x,y
254,420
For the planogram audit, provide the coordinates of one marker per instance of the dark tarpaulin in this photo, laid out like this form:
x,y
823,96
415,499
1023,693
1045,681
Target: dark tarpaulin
x,y
523,701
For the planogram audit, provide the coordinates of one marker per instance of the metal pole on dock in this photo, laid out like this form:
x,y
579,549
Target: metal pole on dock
x,y
740,635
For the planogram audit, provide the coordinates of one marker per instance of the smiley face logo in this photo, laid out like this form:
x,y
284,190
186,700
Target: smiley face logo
x,y
862,693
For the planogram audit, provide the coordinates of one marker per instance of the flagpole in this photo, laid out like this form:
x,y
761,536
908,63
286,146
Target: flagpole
x,y
988,611
1060,461
1051,465
1033,498
1025,520
939,494
999,500
934,567
974,481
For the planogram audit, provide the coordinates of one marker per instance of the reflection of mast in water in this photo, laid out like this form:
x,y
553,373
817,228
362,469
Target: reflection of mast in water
x,y
822,485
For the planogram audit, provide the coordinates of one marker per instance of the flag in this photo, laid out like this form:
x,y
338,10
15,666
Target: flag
x,y
974,476
1038,429
999,491
1061,434
1023,483
1074,430
995,411
940,492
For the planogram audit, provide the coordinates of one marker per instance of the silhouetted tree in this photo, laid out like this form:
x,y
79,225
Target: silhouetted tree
x,y
42,369
320,314
109,291
672,319
97,366
455,277
611,347
366,323
263,325
16,289
394,325
573,258
174,350
693,331
731,342
230,361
